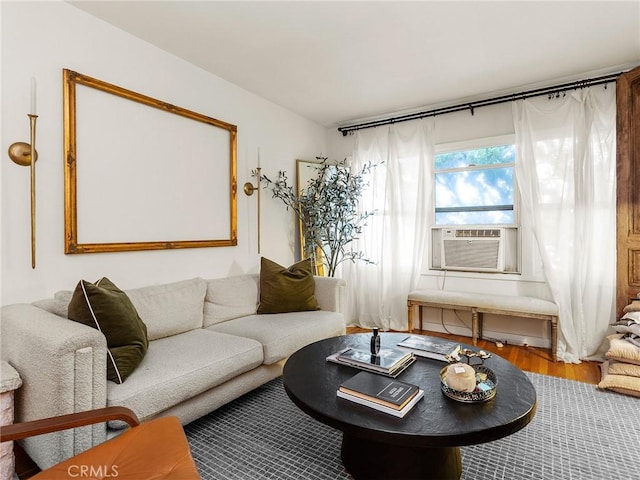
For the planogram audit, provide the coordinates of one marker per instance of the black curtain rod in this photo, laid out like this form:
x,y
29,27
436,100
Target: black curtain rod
x,y
555,90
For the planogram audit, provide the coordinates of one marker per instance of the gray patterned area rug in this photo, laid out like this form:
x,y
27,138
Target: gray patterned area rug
x,y
578,433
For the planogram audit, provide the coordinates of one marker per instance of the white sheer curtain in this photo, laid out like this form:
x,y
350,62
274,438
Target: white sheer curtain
x,y
399,192
566,172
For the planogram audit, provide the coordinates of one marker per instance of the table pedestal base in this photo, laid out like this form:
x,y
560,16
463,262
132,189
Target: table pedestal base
x,y
370,460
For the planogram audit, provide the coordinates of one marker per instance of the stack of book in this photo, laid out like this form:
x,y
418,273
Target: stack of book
x,y
383,394
389,361
430,347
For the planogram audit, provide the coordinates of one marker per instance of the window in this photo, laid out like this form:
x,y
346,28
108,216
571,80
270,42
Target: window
x,y
475,186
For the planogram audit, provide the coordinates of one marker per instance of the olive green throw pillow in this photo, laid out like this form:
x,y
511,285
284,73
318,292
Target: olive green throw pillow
x,y
285,290
107,308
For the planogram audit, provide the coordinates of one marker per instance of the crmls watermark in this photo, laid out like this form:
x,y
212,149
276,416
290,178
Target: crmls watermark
x,y
92,471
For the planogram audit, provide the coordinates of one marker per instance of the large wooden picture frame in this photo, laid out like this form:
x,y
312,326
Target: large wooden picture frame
x,y
140,178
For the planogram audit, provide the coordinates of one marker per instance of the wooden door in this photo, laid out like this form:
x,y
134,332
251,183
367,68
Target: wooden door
x,y
628,188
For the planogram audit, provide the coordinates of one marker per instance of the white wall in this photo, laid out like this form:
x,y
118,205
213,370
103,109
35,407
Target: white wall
x,y
491,121
39,39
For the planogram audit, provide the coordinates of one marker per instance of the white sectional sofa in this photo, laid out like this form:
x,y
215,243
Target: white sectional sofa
x,y
207,346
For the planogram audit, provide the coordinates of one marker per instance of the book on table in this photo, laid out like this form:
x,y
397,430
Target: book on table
x,y
375,388
383,408
430,347
388,361
384,394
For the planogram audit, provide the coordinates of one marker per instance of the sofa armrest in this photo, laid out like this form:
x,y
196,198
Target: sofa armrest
x,y
328,293
63,369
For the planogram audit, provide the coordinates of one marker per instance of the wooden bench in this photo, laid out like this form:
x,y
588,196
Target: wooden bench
x,y
481,303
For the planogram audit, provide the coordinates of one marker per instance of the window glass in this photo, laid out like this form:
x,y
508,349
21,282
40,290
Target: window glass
x,y
475,187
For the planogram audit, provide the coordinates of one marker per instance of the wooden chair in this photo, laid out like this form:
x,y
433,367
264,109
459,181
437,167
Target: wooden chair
x,y
156,449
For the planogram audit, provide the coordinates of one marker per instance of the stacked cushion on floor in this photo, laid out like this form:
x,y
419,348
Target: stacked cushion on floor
x,y
621,371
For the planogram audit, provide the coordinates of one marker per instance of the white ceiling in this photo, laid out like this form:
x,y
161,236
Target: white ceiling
x,y
336,62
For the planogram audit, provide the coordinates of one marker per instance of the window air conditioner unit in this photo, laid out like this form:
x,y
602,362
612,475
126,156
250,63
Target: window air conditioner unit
x,y
473,249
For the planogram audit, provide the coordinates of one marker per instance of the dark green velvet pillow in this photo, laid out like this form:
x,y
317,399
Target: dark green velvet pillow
x,y
107,308
285,290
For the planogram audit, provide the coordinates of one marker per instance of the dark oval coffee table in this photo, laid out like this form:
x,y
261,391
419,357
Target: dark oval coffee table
x,y
425,443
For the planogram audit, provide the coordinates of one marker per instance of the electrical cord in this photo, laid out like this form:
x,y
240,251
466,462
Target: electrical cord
x,y
461,321
444,279
442,322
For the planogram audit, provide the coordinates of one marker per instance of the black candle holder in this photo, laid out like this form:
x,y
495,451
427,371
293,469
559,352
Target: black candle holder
x,y
375,342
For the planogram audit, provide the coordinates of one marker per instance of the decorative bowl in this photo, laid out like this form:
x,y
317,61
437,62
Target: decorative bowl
x,y
486,383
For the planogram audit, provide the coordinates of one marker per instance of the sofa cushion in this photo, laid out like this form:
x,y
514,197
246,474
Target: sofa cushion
x,y
171,308
281,334
286,289
229,298
106,308
58,305
180,367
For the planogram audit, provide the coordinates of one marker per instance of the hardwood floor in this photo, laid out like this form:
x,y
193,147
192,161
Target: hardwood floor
x,y
530,359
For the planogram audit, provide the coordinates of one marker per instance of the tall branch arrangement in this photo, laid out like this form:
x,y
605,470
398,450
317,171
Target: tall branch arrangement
x,y
327,209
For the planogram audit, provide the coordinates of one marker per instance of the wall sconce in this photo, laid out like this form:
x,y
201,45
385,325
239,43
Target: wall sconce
x,y
25,154
249,188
